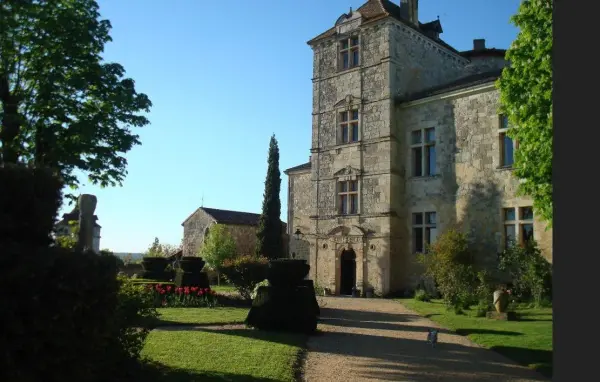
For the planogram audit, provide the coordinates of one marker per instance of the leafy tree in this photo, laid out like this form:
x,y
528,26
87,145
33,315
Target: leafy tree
x,y
530,272
269,241
69,240
450,262
526,98
218,246
61,105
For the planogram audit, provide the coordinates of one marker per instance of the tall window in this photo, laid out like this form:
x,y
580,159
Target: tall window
x,y
423,152
348,197
349,56
349,126
518,225
424,230
507,145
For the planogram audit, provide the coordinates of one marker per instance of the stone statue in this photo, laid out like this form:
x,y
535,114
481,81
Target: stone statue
x,y
87,206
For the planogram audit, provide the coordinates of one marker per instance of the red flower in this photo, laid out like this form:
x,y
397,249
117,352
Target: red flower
x,y
179,290
168,288
194,289
200,292
162,291
186,290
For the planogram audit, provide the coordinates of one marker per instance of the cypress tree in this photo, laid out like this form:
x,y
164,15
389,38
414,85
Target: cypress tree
x,y
269,241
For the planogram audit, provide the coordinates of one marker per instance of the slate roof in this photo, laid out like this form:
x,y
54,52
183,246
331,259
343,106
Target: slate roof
x,y
304,166
230,217
374,10
484,53
461,83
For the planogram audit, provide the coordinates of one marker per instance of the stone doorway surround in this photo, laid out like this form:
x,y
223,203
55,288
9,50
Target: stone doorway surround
x,y
343,238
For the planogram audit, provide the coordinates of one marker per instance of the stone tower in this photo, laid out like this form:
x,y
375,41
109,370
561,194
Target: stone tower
x,y
352,203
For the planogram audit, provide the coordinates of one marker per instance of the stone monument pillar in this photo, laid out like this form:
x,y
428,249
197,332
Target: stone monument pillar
x,y
87,206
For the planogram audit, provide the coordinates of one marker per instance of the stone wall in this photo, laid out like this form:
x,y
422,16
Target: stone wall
x,y
300,204
193,231
419,63
471,188
244,237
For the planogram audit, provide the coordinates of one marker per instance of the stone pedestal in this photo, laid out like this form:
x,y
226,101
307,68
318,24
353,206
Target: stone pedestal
x,y
288,303
196,279
504,316
279,309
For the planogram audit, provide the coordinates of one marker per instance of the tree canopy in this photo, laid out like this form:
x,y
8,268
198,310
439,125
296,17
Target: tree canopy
x,y
269,239
218,246
526,99
61,105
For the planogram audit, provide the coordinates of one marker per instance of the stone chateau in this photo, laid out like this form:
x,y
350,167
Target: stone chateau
x,y
407,141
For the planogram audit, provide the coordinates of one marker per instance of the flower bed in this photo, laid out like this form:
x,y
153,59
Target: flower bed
x,y
167,296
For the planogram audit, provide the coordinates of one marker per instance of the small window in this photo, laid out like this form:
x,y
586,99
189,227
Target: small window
x,y
518,228
424,231
348,197
507,145
349,53
349,126
423,157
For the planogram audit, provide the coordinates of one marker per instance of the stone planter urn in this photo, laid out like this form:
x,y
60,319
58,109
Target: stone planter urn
x,y
369,292
355,292
191,264
501,301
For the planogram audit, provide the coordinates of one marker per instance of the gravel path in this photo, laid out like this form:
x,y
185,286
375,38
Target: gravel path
x,y
381,340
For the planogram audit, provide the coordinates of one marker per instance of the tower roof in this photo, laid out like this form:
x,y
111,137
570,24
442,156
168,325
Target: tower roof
x,y
374,10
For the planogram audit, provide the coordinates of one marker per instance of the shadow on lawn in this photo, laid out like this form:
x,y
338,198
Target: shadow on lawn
x,y
466,332
157,372
540,360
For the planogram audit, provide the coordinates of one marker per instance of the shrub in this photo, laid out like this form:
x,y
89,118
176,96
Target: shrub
x,y
451,264
135,315
422,295
319,290
245,272
530,272
29,201
59,315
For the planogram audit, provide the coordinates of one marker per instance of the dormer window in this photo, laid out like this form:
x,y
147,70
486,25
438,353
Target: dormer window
x,y
349,53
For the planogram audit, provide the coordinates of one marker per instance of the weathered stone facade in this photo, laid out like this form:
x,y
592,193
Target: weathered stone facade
x,y
241,226
406,81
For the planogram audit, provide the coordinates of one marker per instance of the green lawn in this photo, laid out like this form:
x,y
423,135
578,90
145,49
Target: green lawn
x,y
201,316
189,354
223,288
527,341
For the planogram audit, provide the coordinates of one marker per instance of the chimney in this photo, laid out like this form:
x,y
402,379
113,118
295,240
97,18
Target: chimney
x,y
409,11
479,44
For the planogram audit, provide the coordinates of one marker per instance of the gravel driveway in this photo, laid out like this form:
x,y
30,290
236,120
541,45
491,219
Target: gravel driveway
x,y
381,340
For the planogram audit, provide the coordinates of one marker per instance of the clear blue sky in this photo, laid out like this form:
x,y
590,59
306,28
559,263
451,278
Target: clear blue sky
x,y
223,77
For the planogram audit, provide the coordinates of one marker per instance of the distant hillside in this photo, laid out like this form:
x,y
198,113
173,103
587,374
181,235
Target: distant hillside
x,y
134,256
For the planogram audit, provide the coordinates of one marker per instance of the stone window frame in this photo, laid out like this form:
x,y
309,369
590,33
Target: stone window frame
x,y
517,223
424,145
503,127
351,104
350,50
424,225
348,180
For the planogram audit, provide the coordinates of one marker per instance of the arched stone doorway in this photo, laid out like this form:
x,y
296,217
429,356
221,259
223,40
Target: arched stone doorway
x,y
348,271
